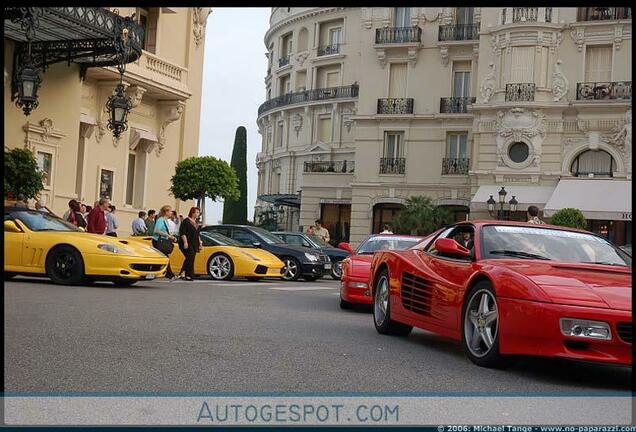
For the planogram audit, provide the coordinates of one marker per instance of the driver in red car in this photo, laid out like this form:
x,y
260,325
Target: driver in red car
x,y
467,240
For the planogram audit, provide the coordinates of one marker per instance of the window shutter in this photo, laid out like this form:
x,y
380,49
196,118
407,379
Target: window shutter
x,y
397,83
522,67
598,64
325,129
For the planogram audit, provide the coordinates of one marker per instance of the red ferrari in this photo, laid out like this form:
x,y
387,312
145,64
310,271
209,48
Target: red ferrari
x,y
355,268
510,288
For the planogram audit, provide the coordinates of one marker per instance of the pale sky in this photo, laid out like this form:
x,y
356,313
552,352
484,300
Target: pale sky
x,y
233,87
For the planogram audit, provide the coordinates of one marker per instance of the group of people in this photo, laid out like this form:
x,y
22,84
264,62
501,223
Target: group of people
x,y
318,230
144,224
98,219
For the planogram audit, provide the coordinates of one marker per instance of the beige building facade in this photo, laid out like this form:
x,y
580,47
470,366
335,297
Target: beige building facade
x,y
366,107
68,130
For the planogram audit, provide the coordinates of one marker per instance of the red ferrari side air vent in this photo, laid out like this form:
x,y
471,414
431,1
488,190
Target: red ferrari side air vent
x,y
416,294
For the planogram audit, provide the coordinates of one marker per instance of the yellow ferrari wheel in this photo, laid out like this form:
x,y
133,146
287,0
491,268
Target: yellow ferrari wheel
x,y
64,265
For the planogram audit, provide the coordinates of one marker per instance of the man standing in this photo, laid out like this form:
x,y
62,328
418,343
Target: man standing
x,y
139,224
150,222
173,228
533,216
321,231
387,229
111,221
97,217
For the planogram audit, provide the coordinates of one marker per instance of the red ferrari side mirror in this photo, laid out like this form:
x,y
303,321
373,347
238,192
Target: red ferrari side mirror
x,y
449,246
346,246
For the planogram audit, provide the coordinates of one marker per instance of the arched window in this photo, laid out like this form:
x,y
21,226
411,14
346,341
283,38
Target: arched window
x,y
597,162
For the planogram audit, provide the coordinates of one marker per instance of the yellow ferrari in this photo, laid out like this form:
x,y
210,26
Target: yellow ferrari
x,y
38,243
224,258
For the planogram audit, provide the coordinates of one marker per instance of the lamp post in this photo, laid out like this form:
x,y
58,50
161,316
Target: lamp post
x,y
118,104
27,77
501,213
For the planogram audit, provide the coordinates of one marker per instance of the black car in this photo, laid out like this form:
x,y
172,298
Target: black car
x,y
319,245
298,260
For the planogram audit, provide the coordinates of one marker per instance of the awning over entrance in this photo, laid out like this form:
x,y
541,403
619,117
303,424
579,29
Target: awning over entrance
x,y
289,200
597,199
525,195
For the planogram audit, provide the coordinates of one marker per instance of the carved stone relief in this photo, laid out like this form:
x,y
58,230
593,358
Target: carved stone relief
x,y
171,112
560,84
199,21
135,93
488,85
520,125
443,51
578,35
297,122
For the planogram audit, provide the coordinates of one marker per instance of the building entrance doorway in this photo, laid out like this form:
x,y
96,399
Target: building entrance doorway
x,y
337,219
382,214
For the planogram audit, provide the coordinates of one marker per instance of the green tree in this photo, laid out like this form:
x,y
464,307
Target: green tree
x,y
420,217
569,217
22,174
201,177
235,210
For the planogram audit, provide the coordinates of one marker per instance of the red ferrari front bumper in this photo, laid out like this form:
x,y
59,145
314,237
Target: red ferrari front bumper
x,y
355,291
533,328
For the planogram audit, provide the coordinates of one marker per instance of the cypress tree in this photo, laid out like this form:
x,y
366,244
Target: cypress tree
x,y
235,211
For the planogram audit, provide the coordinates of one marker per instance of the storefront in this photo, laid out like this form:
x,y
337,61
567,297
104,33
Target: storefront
x,y
336,217
606,204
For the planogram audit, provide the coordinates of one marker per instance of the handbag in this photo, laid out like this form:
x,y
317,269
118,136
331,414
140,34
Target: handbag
x,y
164,245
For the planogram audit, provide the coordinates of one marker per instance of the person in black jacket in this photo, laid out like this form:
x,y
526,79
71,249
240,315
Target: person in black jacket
x,y
189,242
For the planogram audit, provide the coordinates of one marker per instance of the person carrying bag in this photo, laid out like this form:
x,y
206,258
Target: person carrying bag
x,y
162,240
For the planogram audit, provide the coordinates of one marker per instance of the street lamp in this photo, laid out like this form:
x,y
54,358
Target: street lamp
x,y
502,214
118,105
28,80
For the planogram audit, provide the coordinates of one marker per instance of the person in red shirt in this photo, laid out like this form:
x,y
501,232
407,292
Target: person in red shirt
x,y
97,218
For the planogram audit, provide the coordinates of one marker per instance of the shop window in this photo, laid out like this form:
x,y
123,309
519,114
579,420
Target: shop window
x,y
337,219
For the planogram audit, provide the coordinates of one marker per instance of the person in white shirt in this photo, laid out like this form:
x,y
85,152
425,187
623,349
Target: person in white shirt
x,y
321,231
533,216
139,224
387,229
173,227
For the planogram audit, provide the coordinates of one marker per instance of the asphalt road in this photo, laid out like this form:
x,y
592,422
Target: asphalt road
x,y
239,336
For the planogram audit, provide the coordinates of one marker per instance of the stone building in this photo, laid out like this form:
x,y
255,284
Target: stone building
x,y
68,130
366,107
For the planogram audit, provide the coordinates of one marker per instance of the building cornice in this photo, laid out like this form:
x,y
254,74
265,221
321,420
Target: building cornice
x,y
299,17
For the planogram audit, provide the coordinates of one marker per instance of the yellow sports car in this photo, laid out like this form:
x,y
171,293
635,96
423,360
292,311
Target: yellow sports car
x,y
224,258
39,243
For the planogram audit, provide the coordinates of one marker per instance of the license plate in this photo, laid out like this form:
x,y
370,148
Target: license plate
x,y
150,276
327,266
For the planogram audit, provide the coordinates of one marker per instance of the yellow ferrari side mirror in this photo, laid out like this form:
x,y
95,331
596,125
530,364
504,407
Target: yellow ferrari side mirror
x,y
10,226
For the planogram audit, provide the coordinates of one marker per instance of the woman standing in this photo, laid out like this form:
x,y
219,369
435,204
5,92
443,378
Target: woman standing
x,y
74,215
162,239
189,242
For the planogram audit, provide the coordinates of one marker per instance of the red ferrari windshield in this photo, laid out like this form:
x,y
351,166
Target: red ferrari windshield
x,y
383,242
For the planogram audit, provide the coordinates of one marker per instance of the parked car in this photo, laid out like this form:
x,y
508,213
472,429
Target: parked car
x,y
37,243
298,261
355,269
336,255
223,259
525,289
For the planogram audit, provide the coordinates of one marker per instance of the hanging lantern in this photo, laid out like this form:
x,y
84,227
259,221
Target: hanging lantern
x,y
118,106
502,195
513,204
491,204
28,83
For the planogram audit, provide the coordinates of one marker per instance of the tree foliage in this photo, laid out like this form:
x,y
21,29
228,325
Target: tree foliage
x,y
22,174
235,210
569,217
420,217
202,177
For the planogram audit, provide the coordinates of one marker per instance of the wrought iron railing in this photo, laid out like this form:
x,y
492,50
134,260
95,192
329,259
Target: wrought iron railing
x,y
330,167
395,106
525,14
388,35
455,105
520,92
283,61
328,49
604,13
350,91
604,90
457,32
392,165
455,165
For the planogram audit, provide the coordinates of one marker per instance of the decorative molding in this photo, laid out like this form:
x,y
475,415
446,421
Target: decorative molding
x,y
447,16
135,93
520,125
618,36
443,51
142,139
437,16
557,38
171,111
381,53
347,119
301,57
412,56
87,126
367,17
488,85
301,16
297,122
560,84
476,52
43,132
199,21
47,128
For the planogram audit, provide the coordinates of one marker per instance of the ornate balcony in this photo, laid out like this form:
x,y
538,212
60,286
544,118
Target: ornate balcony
x,y
526,14
458,32
328,50
350,91
392,165
283,61
395,106
603,13
396,35
455,105
620,90
520,92
344,167
455,165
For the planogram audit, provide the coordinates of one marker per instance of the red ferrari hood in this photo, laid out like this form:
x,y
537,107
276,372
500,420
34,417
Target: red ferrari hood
x,y
360,265
581,284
